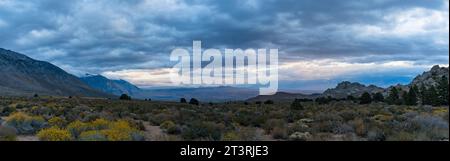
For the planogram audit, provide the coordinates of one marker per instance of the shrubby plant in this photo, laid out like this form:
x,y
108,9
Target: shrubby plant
x,y
57,121
333,119
54,134
25,124
7,133
92,135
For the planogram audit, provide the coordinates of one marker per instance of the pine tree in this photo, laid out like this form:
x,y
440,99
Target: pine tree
x,y
393,97
430,96
366,98
411,96
422,94
433,96
378,97
442,91
297,105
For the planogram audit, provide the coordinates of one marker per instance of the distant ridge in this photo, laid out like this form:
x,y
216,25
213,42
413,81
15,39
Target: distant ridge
x,y
115,87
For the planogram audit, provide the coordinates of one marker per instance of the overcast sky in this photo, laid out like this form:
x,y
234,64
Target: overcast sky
x,y
321,42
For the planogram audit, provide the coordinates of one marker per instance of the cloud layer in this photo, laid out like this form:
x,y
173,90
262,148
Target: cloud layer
x,y
318,40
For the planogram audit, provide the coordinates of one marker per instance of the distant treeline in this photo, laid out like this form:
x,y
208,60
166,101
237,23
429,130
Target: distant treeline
x,y
434,95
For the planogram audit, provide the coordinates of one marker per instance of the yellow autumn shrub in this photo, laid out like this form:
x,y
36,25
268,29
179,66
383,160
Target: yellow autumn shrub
x,y
119,131
167,124
57,121
54,134
99,124
230,136
77,127
18,117
104,130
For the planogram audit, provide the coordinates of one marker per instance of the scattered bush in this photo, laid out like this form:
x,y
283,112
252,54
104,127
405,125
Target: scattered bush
x,y
77,127
268,102
297,105
230,136
7,110
279,133
203,130
92,135
170,127
378,97
299,136
57,121
25,124
122,131
366,98
124,97
376,135
7,133
273,123
194,101
98,124
359,126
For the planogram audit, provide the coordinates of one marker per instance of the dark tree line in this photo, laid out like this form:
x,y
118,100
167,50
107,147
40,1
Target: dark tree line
x,y
432,95
435,95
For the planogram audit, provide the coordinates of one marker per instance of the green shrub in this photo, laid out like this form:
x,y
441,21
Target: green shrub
x,y
202,130
297,105
366,98
7,110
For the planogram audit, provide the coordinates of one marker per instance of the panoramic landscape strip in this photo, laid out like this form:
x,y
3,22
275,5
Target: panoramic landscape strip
x,y
285,71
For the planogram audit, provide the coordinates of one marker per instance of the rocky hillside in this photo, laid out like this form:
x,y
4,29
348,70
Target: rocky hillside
x,y
21,75
346,88
431,77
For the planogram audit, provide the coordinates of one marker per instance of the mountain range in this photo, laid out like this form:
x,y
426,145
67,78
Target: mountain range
x,y
355,89
24,76
21,75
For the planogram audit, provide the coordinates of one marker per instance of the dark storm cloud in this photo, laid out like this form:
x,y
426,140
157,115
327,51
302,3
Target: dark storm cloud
x,y
98,36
